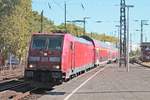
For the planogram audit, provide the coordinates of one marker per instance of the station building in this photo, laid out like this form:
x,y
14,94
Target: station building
x,y
145,51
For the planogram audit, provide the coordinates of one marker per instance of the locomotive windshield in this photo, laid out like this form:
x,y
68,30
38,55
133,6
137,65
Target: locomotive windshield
x,y
39,42
55,43
51,42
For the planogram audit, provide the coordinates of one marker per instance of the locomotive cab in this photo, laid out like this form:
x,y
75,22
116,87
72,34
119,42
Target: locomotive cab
x,y
44,58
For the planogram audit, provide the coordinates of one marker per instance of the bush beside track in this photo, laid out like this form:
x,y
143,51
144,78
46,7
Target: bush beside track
x,y
9,72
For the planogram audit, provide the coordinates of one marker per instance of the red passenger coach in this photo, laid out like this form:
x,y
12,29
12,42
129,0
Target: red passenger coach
x,y
103,52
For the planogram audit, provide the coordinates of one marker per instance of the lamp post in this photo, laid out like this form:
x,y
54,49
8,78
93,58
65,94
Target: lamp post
x,y
127,42
84,27
65,15
76,29
42,21
118,26
142,23
130,42
82,21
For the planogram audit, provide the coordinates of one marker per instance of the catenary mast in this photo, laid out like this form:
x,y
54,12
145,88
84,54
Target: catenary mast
x,y
123,48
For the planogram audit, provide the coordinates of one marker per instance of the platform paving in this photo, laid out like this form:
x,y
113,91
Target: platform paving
x,y
112,83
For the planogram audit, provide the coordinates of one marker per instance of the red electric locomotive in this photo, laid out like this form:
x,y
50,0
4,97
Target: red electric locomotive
x,y
58,56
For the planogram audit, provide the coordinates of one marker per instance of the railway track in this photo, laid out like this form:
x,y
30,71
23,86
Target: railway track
x,y
10,84
19,90
15,90
142,64
35,94
139,62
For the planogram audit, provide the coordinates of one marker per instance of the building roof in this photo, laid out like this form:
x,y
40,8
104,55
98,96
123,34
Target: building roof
x,y
145,44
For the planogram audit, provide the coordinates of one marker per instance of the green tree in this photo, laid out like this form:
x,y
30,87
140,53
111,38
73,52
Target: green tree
x,y
18,22
71,28
15,26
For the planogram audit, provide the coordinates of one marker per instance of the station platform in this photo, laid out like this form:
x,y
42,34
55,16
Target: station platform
x,y
109,83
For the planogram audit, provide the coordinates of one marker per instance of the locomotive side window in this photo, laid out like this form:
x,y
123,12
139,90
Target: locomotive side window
x,y
39,43
71,45
55,43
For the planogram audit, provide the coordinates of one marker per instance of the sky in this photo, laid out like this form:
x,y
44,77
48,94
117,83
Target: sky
x,y
107,11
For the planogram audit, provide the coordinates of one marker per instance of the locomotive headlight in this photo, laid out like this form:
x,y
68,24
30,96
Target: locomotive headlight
x,y
45,54
57,67
31,66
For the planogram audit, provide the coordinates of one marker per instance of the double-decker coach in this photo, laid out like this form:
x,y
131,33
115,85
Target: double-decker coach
x,y
101,51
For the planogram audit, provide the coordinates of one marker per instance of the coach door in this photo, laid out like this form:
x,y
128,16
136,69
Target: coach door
x,y
72,56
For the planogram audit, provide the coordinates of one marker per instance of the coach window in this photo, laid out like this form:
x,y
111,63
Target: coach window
x,y
101,58
97,51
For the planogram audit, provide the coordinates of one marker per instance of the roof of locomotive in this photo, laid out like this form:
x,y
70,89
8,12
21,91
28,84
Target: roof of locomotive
x,y
68,35
82,40
104,45
77,39
97,43
44,33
